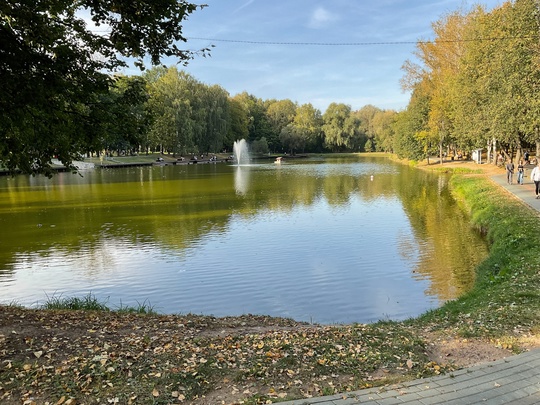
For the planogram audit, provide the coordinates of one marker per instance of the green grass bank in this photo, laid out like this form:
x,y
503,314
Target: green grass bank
x,y
505,300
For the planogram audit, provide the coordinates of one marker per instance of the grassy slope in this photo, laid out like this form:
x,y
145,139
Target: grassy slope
x,y
505,301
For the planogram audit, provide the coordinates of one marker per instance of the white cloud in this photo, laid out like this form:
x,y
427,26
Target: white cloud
x,y
321,17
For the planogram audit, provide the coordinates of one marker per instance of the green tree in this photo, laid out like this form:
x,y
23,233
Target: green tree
x,y
514,77
409,127
366,117
280,114
177,107
217,111
51,76
124,129
341,130
260,146
384,130
258,123
292,139
238,123
308,124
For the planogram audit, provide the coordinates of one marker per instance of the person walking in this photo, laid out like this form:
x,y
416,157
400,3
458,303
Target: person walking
x,y
535,176
520,172
509,171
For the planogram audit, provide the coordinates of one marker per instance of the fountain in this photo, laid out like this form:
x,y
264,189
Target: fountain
x,y
240,152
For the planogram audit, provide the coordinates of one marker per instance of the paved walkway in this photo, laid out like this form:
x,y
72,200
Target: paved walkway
x,y
514,380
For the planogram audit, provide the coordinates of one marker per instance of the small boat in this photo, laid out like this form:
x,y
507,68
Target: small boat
x,y
278,160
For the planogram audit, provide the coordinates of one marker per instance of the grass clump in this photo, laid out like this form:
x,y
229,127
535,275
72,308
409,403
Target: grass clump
x,y
87,303
90,302
144,308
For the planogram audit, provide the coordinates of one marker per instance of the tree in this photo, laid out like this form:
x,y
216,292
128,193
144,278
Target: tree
x,y
217,109
341,130
260,146
239,121
258,124
53,68
481,77
514,76
280,114
177,103
308,123
410,126
120,119
441,59
366,116
383,129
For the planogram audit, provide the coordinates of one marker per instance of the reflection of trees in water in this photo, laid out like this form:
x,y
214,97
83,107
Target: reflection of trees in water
x,y
176,207
449,249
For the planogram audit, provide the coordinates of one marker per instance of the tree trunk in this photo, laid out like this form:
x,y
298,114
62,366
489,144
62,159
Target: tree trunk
x,y
495,156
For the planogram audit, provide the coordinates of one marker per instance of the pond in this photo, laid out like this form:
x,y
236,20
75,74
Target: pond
x,y
322,239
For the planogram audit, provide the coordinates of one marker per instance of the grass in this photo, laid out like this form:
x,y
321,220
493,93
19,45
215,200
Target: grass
x,y
87,303
90,302
505,297
144,308
456,170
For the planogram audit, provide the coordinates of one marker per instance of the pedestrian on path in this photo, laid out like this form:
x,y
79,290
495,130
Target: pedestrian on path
x,y
520,172
535,176
509,171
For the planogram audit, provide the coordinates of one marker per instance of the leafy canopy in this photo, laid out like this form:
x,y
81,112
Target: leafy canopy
x,y
53,66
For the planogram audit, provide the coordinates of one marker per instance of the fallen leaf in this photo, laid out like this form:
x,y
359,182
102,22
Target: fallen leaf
x,y
155,393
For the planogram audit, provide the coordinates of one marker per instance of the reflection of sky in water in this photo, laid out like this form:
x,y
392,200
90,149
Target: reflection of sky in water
x,y
311,263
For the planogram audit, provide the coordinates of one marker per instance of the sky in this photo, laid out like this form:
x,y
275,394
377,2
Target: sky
x,y
384,34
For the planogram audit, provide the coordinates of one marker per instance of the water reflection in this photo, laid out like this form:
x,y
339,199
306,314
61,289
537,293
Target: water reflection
x,y
313,240
241,179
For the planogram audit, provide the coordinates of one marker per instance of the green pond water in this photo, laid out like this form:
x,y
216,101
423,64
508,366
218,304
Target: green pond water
x,y
328,240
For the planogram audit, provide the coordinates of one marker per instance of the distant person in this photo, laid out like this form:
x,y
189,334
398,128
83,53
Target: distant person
x,y
520,172
509,171
526,156
535,176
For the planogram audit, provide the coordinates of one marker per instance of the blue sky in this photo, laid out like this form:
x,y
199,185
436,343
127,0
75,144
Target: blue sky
x,y
356,75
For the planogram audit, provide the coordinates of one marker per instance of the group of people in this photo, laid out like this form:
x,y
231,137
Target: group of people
x,y
535,174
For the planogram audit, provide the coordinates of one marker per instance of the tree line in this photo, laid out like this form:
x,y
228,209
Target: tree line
x,y
475,86
169,110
